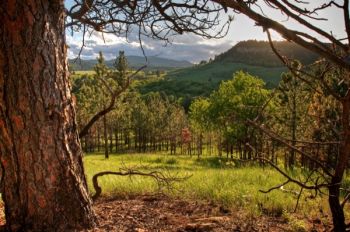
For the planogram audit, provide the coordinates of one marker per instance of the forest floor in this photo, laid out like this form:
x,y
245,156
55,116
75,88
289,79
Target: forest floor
x,y
159,213
151,213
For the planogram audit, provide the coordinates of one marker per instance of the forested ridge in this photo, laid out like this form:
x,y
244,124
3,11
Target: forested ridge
x,y
259,53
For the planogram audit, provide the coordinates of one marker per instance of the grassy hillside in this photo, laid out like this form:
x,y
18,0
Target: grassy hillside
x,y
218,71
202,80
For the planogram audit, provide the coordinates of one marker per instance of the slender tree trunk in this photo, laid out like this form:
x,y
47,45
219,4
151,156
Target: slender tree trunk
x,y
294,129
116,139
44,187
91,141
110,140
209,145
98,138
343,159
105,136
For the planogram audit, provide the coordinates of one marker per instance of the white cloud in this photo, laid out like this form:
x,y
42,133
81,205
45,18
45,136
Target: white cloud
x,y
195,48
185,47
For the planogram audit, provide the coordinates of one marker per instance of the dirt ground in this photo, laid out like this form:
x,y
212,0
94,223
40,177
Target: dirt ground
x,y
160,213
150,213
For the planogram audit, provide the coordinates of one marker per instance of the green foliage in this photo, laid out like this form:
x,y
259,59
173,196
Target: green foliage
x,y
199,114
121,66
121,63
292,115
94,90
101,70
202,80
228,108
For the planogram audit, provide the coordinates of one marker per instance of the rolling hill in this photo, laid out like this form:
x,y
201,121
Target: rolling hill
x,y
254,57
135,62
259,53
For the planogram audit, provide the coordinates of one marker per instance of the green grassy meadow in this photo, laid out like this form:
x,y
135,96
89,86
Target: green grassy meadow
x,y
218,71
212,179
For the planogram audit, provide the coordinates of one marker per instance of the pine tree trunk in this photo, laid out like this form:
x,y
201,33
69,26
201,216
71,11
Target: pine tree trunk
x,y
44,187
105,137
293,130
342,163
116,139
98,138
110,140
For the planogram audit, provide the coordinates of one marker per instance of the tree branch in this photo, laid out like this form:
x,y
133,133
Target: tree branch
x,y
288,34
110,107
162,179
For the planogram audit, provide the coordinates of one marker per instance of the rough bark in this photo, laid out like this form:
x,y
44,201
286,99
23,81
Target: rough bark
x,y
43,187
343,159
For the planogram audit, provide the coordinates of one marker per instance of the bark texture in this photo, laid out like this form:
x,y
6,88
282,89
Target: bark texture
x,y
44,187
342,163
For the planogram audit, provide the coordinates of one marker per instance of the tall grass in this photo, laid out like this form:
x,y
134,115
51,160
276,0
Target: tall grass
x,y
211,179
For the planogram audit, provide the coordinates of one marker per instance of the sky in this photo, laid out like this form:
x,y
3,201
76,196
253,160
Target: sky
x,y
191,47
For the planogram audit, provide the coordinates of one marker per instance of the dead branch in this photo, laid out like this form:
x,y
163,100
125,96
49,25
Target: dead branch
x,y
303,185
275,187
346,198
301,191
163,179
315,186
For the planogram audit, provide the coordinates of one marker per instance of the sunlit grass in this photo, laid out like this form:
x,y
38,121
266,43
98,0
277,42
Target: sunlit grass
x,y
212,179
85,72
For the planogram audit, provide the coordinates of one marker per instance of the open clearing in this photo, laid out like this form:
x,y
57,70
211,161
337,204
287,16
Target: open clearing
x,y
216,188
219,196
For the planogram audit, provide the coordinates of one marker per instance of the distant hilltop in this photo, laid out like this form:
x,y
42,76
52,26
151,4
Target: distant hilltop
x,y
254,57
259,53
154,62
